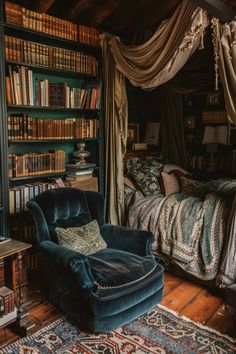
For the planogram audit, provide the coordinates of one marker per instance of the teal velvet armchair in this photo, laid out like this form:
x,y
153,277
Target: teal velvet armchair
x,y
103,290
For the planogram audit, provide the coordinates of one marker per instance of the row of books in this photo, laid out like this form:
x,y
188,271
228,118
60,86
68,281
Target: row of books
x,y
51,57
23,89
7,301
33,260
215,162
19,196
42,22
23,231
25,127
31,164
214,117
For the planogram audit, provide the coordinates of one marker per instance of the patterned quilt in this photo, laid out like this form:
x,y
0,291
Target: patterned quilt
x,y
188,230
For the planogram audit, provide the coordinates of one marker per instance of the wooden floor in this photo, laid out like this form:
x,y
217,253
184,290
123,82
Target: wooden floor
x,y
180,295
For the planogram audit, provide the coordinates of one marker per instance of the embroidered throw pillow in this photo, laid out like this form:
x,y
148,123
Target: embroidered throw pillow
x,y
170,183
85,239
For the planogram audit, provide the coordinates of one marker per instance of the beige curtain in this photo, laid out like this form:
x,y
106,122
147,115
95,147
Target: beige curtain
x,y
115,126
164,54
224,36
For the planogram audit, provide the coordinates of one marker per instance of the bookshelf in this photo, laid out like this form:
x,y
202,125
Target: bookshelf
x,y
210,138
50,100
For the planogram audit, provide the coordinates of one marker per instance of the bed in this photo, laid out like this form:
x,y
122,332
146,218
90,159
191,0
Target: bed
x,y
193,222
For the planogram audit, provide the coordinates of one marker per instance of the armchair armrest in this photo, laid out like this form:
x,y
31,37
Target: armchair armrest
x,y
76,263
127,239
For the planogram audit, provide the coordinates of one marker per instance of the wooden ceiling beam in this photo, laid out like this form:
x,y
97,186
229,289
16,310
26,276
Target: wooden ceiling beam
x,y
217,8
160,11
125,14
101,11
78,7
43,5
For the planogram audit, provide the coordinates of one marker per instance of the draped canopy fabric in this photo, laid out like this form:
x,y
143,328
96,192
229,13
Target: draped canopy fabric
x,y
116,122
225,55
156,61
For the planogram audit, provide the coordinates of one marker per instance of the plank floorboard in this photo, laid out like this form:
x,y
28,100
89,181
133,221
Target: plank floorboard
x,y
179,297
171,282
203,307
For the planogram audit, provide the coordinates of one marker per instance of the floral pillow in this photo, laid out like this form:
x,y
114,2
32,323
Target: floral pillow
x,y
138,163
146,179
134,162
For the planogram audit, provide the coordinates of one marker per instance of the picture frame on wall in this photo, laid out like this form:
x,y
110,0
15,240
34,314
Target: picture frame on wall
x,y
133,133
152,133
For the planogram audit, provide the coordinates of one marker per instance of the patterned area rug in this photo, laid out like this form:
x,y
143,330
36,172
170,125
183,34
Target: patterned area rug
x,y
160,331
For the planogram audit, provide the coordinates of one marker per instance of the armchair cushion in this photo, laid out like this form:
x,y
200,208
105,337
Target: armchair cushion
x,y
85,239
114,268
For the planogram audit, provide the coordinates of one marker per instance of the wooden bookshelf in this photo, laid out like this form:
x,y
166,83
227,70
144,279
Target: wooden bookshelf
x,y
88,79
206,112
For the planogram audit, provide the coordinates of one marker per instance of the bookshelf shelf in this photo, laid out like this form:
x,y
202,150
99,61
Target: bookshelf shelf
x,y
59,141
52,109
42,37
58,72
46,175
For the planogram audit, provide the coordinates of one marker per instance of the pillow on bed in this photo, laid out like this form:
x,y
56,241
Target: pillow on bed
x,y
134,162
193,187
139,163
146,180
170,183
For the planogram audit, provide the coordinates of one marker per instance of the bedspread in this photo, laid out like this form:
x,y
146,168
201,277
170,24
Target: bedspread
x,y
192,232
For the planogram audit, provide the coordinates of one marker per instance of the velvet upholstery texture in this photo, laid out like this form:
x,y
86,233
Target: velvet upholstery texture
x,y
108,288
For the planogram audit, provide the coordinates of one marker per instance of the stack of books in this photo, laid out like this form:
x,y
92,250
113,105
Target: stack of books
x,y
7,305
82,178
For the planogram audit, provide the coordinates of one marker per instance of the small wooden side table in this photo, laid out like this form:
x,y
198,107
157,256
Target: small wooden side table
x,y
12,252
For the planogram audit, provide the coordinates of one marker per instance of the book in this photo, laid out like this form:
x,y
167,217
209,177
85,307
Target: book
x,y
78,166
217,134
80,172
8,300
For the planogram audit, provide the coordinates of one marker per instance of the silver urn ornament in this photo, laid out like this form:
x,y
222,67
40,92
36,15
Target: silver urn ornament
x,y
81,154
